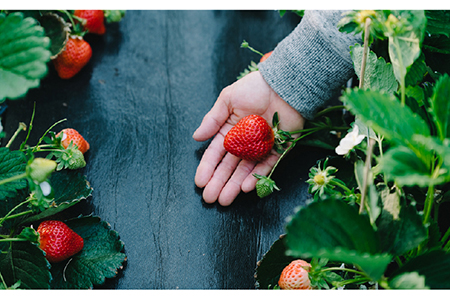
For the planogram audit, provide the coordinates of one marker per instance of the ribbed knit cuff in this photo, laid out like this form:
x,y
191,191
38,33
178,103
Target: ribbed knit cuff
x,y
312,63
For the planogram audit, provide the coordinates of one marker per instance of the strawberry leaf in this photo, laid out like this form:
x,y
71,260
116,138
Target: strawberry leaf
x,y
57,30
430,270
69,187
335,230
100,258
12,163
23,55
24,262
378,74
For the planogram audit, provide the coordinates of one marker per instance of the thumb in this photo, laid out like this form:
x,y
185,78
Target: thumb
x,y
213,121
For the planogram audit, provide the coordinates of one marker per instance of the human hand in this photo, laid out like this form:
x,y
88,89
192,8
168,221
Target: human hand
x,y
222,174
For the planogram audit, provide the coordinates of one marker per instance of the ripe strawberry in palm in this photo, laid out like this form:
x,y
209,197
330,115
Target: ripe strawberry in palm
x,y
251,138
295,276
69,135
74,57
58,241
94,20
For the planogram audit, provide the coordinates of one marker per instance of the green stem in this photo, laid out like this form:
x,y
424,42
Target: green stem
x,y
355,280
3,281
446,236
22,146
69,16
14,178
21,127
328,109
366,47
8,215
13,240
40,140
341,186
15,215
428,204
319,128
246,45
293,143
344,269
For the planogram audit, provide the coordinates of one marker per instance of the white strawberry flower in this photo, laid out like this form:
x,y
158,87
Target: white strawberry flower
x,y
352,139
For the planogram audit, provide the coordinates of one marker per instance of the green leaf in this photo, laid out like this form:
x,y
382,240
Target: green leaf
x,y
69,187
403,166
440,106
399,224
23,55
268,270
408,281
100,258
433,265
335,230
25,262
12,163
438,22
437,44
57,30
405,44
385,114
416,72
378,74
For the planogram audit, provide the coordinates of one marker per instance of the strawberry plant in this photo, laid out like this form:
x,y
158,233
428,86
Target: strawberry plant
x,y
377,214
75,253
35,189
31,39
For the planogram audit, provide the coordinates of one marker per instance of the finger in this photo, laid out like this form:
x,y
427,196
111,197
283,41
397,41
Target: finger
x,y
262,168
214,120
220,178
210,159
233,187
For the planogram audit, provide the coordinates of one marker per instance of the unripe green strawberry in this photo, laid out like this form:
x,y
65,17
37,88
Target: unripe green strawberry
x,y
58,241
264,186
251,138
77,160
40,169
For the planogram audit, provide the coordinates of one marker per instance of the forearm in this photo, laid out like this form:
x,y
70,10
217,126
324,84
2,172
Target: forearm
x,y
312,63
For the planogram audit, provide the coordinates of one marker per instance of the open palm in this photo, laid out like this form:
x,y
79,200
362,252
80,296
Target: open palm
x,y
222,174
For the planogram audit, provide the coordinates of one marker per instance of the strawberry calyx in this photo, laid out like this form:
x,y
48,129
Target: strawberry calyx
x,y
281,137
264,185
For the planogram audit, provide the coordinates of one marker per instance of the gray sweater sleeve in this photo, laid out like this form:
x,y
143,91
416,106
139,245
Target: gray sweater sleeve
x,y
310,65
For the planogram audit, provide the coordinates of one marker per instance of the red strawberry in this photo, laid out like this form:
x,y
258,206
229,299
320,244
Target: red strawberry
x,y
265,56
58,241
94,20
295,276
74,57
68,135
251,138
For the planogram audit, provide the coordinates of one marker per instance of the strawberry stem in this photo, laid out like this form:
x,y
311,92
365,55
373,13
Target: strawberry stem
x,y
21,127
40,140
14,178
246,45
9,214
292,145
